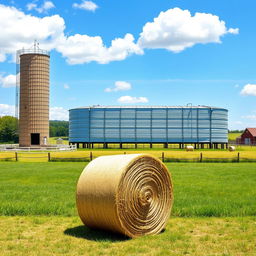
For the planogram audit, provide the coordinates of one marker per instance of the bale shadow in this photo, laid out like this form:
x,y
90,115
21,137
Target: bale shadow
x,y
95,234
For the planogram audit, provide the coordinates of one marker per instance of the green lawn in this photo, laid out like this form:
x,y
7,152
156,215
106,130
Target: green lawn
x,y
214,213
48,236
201,189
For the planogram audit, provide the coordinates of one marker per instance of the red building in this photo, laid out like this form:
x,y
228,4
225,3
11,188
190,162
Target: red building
x,y
248,137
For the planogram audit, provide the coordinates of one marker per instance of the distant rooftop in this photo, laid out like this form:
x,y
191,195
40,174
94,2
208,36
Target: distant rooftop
x,y
252,131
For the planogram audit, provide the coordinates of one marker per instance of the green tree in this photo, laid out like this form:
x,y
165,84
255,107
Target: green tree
x,y
59,128
8,129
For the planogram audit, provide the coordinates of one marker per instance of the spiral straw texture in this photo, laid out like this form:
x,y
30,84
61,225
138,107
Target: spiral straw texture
x,y
129,194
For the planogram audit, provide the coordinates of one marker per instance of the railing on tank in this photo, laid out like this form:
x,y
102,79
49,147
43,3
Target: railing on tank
x,y
33,51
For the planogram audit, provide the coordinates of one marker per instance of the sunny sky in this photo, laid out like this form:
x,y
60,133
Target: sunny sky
x,y
136,52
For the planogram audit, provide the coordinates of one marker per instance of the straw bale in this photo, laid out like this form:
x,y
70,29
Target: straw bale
x,y
129,194
189,148
232,148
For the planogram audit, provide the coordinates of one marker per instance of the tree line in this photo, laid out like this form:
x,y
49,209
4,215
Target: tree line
x,y
59,128
9,127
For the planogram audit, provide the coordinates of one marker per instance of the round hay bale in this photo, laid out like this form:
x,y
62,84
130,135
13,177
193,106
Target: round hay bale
x,y
189,148
231,148
129,194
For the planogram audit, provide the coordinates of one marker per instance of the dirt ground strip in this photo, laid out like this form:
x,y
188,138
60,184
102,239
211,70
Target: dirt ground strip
x,y
35,235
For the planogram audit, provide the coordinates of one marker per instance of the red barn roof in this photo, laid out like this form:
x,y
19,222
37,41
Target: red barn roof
x,y
252,131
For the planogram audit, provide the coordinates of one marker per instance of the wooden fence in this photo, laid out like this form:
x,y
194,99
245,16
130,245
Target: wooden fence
x,y
201,158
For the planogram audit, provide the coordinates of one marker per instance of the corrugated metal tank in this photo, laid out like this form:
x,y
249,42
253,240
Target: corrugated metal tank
x,y
34,97
148,125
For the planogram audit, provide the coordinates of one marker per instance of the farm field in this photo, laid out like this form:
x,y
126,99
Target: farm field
x,y
233,135
244,152
214,213
40,235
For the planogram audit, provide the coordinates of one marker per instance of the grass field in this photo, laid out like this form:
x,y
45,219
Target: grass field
x,y
233,135
47,236
214,213
200,189
245,152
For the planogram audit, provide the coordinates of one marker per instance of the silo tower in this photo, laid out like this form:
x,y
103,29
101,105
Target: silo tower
x,y
33,66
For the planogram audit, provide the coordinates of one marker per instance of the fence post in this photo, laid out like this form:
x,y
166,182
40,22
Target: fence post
x,y
163,156
16,156
90,156
201,157
238,157
49,157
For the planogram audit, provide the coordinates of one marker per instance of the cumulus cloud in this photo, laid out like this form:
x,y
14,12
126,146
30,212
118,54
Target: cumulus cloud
x,y
47,5
119,86
20,30
79,49
249,89
86,5
31,6
7,81
130,99
7,110
58,113
176,30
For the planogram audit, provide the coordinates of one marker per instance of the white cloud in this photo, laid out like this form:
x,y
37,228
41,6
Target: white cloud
x,y
7,110
176,30
234,31
130,99
66,86
31,6
20,30
47,5
119,86
249,89
8,81
86,5
79,49
58,113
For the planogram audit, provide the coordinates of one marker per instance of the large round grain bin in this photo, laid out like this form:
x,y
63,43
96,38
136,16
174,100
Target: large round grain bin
x,y
34,97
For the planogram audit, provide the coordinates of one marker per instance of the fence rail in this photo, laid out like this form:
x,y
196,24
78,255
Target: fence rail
x,y
17,148
47,156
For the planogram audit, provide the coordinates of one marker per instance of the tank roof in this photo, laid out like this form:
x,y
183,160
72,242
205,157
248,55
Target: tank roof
x,y
138,107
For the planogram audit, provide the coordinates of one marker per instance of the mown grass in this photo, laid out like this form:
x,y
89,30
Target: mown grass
x,y
200,189
40,235
42,198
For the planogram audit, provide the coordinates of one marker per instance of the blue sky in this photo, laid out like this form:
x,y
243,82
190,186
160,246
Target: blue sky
x,y
137,53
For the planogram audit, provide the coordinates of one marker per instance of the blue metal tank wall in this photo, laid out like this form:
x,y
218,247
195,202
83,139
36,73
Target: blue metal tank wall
x,y
172,125
79,125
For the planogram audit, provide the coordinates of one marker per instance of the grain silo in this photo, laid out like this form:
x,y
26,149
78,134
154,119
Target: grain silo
x,y
34,96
